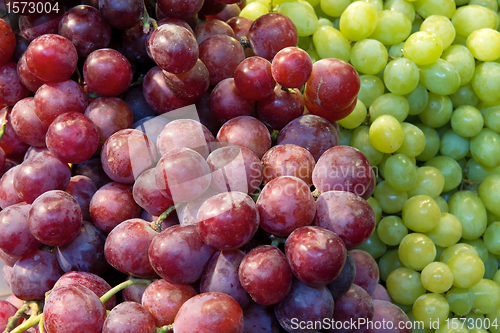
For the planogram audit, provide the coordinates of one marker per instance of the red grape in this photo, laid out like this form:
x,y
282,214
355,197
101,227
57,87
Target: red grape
x,y
130,256
246,132
126,154
396,321
240,25
107,72
228,220
134,41
329,114
148,196
93,169
26,76
7,310
235,169
7,42
44,170
179,9
12,146
178,254
281,107
285,204
347,215
134,292
52,58
187,211
15,236
206,115
173,48
26,124
112,204
343,282
163,300
109,114
134,97
342,168
288,160
367,271
227,103
381,294
73,308
55,218
208,313
210,7
11,86
54,99
33,26
253,78
129,317
292,67
266,275
85,28
259,318
151,126
72,137
8,194
209,28
190,85
122,14
229,11
271,33
311,132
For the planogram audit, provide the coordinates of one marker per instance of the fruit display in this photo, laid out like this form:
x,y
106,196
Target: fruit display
x,y
226,166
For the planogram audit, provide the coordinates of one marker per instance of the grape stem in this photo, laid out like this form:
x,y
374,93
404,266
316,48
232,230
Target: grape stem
x,y
4,124
276,241
40,326
33,321
107,296
146,20
156,225
165,329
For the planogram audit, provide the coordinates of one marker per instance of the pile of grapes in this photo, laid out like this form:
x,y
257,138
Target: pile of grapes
x,y
215,166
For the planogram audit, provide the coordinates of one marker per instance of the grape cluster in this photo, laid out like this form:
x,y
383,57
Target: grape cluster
x,y
270,166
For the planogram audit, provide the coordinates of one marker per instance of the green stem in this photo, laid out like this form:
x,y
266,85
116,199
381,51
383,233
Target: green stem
x,y
12,322
147,21
40,326
156,225
165,329
4,124
276,241
106,297
33,321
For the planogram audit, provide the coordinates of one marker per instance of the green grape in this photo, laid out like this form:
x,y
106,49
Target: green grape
x,y
462,59
368,56
437,277
486,82
371,87
468,269
376,208
470,211
418,99
440,26
450,169
485,148
492,238
491,117
305,43
480,246
404,285
491,266
430,308
490,4
324,21
453,145
437,112
461,300
400,172
458,248
494,318
254,10
302,15
386,134
417,326
378,4
447,195
489,192
401,76
334,8
413,142
329,43
427,8
440,77
314,55
391,230
430,181
473,320
487,293
389,104
432,142
389,199
374,246
336,23
496,277
465,95
421,213
358,21
443,129
381,165
402,6
396,50
388,263
447,232
471,18
492,217
393,27
416,251
443,205
360,139
462,162
484,44
356,117
345,136
423,48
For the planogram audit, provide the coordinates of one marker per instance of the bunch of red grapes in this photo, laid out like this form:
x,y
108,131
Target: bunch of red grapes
x,y
242,216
